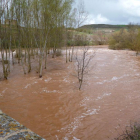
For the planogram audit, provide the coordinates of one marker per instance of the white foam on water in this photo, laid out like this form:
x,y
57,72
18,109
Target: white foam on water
x,y
74,138
100,83
47,80
65,138
96,77
90,112
118,78
102,65
40,79
77,121
83,102
27,85
56,137
4,90
104,95
114,79
52,91
55,74
65,80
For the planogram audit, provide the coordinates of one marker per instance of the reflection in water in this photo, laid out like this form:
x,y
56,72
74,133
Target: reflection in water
x,y
53,107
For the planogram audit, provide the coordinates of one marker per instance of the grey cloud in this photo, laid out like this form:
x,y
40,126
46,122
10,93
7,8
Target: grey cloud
x,y
113,10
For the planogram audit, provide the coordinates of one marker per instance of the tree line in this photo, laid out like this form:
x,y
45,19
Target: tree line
x,y
32,28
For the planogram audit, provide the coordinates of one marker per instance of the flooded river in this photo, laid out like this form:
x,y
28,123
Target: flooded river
x,y
54,108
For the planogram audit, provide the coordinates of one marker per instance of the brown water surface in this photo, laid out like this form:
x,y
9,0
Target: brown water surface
x,y
54,108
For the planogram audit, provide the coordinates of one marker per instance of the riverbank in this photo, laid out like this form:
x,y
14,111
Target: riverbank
x,y
10,129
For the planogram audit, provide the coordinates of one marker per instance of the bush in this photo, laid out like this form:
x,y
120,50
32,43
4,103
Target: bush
x,y
70,43
81,43
119,40
117,46
131,132
126,39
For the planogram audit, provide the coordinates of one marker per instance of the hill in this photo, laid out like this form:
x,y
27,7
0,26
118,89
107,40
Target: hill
x,y
96,26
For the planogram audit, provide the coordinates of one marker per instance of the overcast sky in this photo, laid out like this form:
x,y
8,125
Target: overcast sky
x,y
112,11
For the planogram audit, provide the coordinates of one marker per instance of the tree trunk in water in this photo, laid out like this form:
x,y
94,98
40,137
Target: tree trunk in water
x,y
3,65
66,55
23,66
25,54
72,54
19,54
29,61
80,84
40,68
9,55
69,53
46,59
12,58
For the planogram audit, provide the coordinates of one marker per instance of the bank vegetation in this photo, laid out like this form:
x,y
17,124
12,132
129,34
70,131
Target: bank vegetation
x,y
131,132
126,38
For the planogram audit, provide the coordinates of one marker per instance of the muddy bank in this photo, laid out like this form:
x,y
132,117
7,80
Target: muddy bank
x,y
54,108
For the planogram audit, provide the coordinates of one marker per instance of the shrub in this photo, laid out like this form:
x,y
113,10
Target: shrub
x,y
119,40
126,39
131,132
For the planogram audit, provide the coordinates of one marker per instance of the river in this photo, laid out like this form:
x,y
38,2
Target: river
x,y
54,108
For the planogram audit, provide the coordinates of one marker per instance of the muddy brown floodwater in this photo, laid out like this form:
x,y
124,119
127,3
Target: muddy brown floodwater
x,y
54,108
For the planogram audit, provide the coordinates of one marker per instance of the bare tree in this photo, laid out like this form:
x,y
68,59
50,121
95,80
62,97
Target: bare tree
x,y
81,13
83,58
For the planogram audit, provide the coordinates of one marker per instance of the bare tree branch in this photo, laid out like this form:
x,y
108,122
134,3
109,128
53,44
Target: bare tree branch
x,y
82,64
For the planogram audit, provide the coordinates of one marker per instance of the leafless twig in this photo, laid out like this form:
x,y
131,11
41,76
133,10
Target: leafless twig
x,y
82,63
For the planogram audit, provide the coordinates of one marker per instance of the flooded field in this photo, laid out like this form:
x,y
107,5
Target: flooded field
x,y
54,108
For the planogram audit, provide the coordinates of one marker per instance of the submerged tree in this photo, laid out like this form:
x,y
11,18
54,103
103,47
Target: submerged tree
x,y
83,58
32,28
5,37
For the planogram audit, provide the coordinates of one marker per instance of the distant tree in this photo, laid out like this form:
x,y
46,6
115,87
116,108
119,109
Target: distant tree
x,y
81,13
